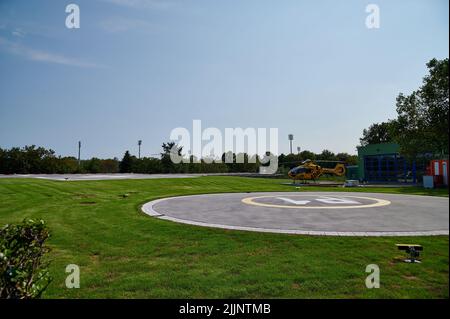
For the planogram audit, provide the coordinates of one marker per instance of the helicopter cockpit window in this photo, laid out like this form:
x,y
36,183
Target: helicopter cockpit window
x,y
299,170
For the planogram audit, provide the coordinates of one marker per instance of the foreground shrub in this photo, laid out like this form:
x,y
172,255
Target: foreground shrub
x,y
23,274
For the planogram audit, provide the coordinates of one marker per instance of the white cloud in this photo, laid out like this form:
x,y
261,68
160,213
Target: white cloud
x,y
18,33
42,56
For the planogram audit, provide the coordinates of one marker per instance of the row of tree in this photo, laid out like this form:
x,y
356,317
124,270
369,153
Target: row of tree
x,y
38,160
421,126
326,155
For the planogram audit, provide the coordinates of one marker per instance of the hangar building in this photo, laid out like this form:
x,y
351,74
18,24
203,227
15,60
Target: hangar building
x,y
383,163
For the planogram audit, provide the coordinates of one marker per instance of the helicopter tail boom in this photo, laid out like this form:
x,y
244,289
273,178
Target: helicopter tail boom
x,y
338,170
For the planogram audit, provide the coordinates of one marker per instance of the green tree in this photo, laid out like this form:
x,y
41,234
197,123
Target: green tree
x,y
304,155
326,155
166,161
422,124
126,163
68,165
378,133
109,165
347,158
93,165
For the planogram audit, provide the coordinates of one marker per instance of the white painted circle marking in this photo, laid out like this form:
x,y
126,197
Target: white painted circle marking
x,y
376,202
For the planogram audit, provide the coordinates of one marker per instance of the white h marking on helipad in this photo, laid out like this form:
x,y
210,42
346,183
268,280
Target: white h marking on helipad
x,y
326,200
332,200
296,202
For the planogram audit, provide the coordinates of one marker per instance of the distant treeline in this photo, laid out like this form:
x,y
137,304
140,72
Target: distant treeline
x,y
38,160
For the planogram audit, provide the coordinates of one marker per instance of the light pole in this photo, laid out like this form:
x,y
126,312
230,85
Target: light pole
x,y
139,144
291,138
79,153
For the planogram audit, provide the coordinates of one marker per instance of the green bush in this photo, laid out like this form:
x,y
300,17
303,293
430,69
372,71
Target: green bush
x,y
23,274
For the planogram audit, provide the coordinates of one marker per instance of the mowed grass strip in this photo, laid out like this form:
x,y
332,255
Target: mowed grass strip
x,y
123,253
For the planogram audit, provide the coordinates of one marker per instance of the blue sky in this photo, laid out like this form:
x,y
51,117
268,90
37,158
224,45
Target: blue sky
x,y
136,69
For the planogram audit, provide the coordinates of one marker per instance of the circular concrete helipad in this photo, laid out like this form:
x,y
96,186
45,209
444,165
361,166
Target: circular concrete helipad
x,y
318,213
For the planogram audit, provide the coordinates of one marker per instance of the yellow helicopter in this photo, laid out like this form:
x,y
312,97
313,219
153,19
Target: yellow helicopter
x,y
308,170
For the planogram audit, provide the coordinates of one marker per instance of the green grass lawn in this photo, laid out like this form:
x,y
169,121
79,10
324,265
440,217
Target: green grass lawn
x,y
123,253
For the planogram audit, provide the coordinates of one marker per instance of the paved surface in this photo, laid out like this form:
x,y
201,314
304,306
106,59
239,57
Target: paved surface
x,y
98,177
311,213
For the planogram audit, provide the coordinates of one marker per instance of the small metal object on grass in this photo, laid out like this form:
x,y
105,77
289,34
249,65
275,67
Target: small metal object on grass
x,y
413,250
